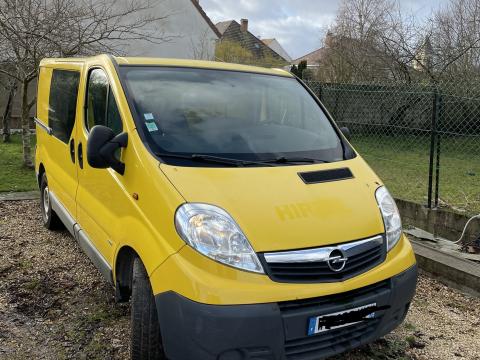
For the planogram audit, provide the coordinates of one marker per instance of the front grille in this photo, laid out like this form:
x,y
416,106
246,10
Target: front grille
x,y
323,345
295,314
319,271
352,296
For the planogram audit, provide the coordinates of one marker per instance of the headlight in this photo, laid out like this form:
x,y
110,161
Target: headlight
x,y
391,216
212,232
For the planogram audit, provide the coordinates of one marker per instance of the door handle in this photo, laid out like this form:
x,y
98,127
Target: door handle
x,y
72,150
80,155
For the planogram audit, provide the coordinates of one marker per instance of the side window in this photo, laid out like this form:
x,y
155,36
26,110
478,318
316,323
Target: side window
x,y
101,106
63,103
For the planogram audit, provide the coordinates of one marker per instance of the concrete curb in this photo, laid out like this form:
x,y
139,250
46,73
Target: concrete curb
x,y
17,196
455,272
440,222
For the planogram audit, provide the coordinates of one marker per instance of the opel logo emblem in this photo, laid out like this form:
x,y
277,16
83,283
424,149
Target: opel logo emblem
x,y
336,260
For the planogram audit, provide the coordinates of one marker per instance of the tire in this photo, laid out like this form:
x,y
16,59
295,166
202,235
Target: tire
x,y
50,219
146,339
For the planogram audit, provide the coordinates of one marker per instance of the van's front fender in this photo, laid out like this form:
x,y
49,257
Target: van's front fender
x,y
198,278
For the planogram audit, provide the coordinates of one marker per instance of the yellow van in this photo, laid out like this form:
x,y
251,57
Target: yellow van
x,y
224,203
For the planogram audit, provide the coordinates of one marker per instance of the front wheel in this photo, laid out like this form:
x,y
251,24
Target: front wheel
x,y
146,340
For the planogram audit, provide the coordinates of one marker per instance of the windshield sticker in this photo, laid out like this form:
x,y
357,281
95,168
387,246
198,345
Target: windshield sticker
x,y
148,116
151,126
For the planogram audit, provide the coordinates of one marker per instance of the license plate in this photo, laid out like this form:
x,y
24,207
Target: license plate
x,y
337,320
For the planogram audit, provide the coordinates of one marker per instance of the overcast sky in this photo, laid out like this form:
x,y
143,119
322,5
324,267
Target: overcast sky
x,y
297,24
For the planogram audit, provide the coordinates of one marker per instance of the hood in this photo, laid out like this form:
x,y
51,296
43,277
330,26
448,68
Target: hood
x,y
277,210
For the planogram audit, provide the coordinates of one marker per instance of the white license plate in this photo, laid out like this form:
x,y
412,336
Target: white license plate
x,y
316,325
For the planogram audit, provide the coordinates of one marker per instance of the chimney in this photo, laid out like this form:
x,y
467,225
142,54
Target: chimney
x,y
329,38
244,25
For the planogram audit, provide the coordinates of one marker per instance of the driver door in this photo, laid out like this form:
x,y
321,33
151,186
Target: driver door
x,y
101,194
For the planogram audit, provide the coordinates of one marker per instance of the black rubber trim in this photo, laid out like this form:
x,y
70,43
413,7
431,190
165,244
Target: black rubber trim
x,y
192,330
315,177
270,331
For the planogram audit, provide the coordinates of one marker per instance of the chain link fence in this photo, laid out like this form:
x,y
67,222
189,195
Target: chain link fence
x,y
423,140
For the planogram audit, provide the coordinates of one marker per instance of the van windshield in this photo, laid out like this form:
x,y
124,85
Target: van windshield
x,y
228,114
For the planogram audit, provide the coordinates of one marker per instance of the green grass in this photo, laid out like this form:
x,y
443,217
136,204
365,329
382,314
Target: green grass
x,y
13,176
403,162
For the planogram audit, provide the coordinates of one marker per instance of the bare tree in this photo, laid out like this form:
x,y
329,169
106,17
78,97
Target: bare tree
x,y
10,87
375,39
455,36
446,45
406,46
355,37
201,48
363,19
34,29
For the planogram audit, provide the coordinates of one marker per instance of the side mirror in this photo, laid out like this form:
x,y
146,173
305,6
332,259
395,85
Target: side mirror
x,y
101,147
346,132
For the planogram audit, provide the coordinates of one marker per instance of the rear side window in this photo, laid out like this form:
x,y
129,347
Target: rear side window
x,y
101,106
63,103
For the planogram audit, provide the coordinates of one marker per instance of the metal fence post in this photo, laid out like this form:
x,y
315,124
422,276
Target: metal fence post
x,y
437,165
433,136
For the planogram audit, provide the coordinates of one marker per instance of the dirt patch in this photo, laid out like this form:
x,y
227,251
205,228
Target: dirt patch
x,y
441,324
55,305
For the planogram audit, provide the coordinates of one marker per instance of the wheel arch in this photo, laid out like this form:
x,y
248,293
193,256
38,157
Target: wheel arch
x,y
123,273
41,171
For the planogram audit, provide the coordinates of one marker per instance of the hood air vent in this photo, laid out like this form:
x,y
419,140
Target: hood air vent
x,y
314,177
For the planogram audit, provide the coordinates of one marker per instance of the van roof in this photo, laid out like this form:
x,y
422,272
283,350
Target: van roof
x,y
201,64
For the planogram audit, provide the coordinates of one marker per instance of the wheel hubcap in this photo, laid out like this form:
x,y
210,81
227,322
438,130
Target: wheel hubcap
x,y
46,201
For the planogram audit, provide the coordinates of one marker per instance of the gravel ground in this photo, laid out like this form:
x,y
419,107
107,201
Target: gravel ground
x,y
55,305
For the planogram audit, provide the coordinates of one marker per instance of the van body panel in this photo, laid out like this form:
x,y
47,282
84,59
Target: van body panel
x,y
147,226
200,64
277,211
107,211
53,153
206,281
103,207
167,62
102,200
274,206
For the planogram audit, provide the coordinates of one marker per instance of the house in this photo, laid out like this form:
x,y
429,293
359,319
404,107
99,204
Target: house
x,y
313,59
424,56
189,31
275,46
344,59
317,56
238,33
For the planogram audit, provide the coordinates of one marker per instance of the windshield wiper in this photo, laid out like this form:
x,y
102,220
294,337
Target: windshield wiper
x,y
286,160
214,159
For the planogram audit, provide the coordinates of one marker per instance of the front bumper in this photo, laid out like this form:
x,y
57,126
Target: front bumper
x,y
274,331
